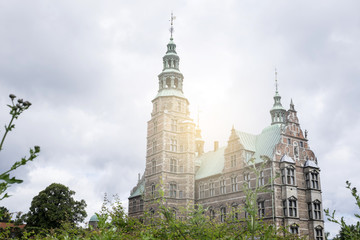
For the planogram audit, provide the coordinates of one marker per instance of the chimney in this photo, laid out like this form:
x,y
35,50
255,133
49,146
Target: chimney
x,y
216,146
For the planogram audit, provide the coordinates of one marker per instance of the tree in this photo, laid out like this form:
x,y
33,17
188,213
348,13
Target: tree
x,y
54,206
347,231
5,215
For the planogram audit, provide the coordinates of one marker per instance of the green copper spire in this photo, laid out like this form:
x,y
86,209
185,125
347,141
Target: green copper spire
x,y
277,111
171,79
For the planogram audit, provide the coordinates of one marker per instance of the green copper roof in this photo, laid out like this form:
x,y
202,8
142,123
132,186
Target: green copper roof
x,y
211,163
139,190
94,218
166,92
247,140
267,141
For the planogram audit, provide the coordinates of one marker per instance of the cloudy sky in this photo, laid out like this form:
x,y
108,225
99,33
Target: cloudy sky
x,y
90,69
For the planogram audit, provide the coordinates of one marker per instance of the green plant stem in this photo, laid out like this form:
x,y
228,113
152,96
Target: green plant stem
x,y
7,129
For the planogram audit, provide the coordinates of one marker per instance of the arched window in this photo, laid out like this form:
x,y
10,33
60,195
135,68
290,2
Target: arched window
x,y
294,229
319,233
168,82
153,190
176,83
314,210
222,214
212,213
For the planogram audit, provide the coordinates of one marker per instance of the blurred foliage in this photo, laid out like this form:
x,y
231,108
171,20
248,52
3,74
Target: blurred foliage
x,y
347,231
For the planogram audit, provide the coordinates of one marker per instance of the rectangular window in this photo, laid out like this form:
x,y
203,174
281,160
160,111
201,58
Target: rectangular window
x,y
212,189
310,210
261,209
173,145
247,180
292,208
314,181
202,191
319,234
317,211
223,214
289,141
181,194
173,165
222,186
301,144
261,179
234,186
173,190
173,125
290,176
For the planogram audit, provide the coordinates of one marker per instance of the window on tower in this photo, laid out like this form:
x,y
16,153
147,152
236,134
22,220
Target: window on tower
x,y
222,186
173,125
234,186
173,190
288,176
173,165
173,145
202,190
261,179
290,207
212,189
247,180
312,180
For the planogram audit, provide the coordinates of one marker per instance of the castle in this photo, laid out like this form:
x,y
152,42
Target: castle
x,y
176,163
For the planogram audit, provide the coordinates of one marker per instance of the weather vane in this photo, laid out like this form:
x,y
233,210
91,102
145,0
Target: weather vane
x,y
172,25
276,82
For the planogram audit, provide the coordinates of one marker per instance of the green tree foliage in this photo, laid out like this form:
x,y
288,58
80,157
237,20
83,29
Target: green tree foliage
x,y
54,206
347,231
5,215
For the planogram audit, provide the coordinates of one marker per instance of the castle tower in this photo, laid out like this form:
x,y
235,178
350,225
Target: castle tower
x,y
170,140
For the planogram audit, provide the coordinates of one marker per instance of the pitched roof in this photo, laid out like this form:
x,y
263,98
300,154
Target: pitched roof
x,y
212,163
138,190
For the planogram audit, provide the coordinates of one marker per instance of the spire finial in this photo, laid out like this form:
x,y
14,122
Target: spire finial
x,y
172,25
276,81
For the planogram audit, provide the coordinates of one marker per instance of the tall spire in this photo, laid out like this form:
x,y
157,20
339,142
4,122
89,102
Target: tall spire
x,y
171,79
172,25
277,111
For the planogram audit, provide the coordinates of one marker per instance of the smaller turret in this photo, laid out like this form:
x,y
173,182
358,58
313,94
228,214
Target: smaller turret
x,y
277,111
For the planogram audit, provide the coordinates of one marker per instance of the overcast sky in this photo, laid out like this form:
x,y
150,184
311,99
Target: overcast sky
x,y
90,70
